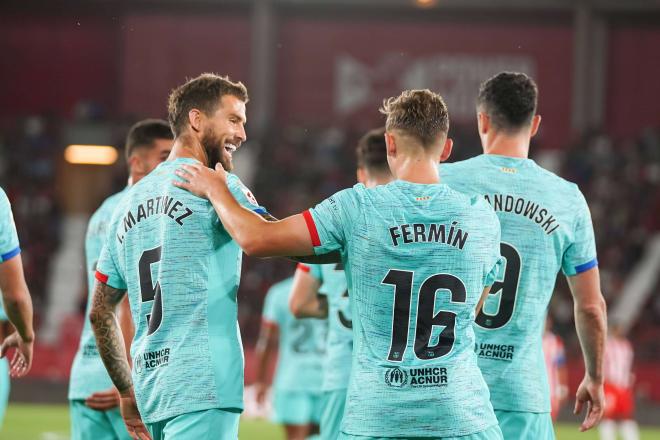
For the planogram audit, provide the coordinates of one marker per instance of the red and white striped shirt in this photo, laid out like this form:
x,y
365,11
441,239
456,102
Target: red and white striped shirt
x,y
555,357
618,362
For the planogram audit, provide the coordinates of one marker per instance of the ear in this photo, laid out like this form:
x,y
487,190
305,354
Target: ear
x,y
362,175
483,122
195,119
536,121
446,150
390,144
134,163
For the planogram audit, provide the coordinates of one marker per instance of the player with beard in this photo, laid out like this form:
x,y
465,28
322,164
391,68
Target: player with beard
x,y
93,401
168,250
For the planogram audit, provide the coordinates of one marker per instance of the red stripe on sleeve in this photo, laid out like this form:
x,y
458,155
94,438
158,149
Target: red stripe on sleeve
x,y
101,277
305,268
311,226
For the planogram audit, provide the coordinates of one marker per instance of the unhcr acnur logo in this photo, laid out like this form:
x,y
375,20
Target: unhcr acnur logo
x,y
396,377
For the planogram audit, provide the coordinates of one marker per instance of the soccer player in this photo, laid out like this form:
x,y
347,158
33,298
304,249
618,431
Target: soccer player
x,y
546,226
321,291
17,305
555,364
93,400
417,256
296,388
619,387
181,269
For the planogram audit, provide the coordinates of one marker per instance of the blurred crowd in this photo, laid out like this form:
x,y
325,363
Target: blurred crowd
x,y
296,167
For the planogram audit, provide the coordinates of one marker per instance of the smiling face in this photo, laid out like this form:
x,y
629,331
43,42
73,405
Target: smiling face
x,y
224,131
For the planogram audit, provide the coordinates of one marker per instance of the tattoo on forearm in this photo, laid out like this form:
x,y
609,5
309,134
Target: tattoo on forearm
x,y
109,339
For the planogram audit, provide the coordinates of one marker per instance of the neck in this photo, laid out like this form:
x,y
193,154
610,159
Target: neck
x,y
419,169
186,145
503,144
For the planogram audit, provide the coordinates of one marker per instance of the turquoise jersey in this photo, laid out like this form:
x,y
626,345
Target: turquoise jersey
x,y
181,269
546,226
339,348
88,374
301,343
9,246
416,258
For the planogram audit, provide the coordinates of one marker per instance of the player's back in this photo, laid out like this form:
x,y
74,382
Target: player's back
x,y
416,258
301,343
339,348
545,227
88,374
181,270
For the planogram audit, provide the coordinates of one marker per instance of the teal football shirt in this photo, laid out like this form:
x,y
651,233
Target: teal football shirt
x,y
546,227
9,246
301,343
181,269
416,258
88,374
339,348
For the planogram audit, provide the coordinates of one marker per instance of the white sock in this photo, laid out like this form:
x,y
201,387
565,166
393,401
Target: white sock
x,y
629,430
607,429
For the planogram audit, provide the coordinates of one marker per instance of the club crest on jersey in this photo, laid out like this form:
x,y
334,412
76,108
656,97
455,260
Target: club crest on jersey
x,y
250,196
396,377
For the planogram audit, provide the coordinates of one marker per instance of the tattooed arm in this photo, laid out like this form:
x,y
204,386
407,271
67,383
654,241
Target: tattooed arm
x,y
111,347
109,338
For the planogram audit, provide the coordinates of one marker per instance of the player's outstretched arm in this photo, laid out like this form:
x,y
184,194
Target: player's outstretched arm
x,y
111,348
591,326
255,235
305,301
18,305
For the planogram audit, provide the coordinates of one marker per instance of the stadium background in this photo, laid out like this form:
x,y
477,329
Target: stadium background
x,y
81,72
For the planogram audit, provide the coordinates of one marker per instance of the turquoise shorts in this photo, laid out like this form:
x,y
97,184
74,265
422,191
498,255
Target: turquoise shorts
x,y
333,413
492,433
525,425
210,424
297,407
4,388
90,424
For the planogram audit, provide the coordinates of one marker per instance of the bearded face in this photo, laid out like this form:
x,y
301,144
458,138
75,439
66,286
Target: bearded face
x,y
215,149
224,132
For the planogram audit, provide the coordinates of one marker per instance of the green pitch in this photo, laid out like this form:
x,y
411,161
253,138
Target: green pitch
x,y
51,422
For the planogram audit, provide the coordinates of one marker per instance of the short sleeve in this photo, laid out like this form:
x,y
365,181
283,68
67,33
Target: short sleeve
x,y
495,262
107,270
243,195
271,312
331,221
9,246
580,255
315,270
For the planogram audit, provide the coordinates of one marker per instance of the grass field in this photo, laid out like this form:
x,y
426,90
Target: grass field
x,y
51,422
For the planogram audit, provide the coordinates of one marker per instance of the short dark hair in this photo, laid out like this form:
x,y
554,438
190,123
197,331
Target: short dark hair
x,y
144,133
509,99
203,93
419,113
372,152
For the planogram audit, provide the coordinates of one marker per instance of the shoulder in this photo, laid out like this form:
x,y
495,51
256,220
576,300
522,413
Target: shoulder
x,y
556,182
451,169
4,200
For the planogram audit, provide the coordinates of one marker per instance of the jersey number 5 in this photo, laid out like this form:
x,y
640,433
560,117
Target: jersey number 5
x,y
402,280
150,291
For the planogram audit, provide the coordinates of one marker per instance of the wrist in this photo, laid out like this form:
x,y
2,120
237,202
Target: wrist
x,y
28,338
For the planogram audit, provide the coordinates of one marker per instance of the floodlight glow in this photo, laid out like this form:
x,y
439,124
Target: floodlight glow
x,y
426,3
91,154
